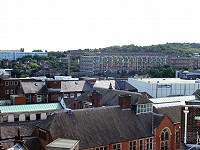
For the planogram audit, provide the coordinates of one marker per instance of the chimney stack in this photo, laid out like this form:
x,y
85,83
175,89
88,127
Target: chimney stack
x,y
125,101
96,99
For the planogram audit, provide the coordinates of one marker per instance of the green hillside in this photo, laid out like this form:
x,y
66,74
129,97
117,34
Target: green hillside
x,y
183,48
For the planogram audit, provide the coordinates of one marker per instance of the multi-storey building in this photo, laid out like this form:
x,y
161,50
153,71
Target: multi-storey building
x,y
15,54
125,62
9,86
181,62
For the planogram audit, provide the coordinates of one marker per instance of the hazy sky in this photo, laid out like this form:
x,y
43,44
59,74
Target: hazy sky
x,y
79,24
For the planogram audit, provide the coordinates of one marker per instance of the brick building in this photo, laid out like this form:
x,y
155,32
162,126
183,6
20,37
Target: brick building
x,y
52,90
190,122
121,62
132,124
9,86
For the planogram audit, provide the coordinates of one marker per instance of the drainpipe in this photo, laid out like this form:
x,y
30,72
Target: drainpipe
x,y
186,111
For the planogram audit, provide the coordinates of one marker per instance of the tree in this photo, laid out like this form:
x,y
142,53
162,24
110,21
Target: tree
x,y
37,50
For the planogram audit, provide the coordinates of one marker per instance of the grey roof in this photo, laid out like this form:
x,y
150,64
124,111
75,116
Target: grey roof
x,y
99,126
172,101
124,85
9,130
174,113
68,86
110,97
104,84
32,87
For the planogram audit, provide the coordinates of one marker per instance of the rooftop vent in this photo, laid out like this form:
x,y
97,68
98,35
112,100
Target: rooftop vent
x,y
36,84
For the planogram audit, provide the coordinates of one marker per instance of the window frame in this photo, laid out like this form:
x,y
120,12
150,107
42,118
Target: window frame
x,y
149,143
101,148
141,144
117,146
6,83
133,145
165,139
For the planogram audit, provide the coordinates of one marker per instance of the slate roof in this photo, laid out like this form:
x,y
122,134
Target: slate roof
x,y
110,97
100,126
68,86
9,130
173,112
33,87
124,85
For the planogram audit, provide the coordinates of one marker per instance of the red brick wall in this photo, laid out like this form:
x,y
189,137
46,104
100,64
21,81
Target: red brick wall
x,y
20,100
192,125
53,84
43,142
165,123
9,87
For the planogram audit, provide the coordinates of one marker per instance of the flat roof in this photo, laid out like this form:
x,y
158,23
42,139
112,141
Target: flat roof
x,y
30,107
171,101
165,80
63,143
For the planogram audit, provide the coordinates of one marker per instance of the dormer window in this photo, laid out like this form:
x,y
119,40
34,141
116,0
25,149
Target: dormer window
x,y
142,108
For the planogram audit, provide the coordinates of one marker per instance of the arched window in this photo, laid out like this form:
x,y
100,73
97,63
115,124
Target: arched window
x,y
165,139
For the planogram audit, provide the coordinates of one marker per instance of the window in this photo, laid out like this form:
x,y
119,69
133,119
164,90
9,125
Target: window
x,y
141,144
16,83
72,95
11,91
117,146
11,83
101,148
132,145
149,143
39,98
6,83
7,92
165,139
149,107
42,134
144,108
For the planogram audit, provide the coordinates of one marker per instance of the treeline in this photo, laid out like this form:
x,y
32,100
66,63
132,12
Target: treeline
x,y
182,48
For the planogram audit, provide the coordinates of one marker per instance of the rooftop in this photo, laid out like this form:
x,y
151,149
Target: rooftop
x,y
172,101
165,80
30,107
100,126
63,143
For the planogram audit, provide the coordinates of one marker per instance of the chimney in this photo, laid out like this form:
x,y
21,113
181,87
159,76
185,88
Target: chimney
x,y
96,99
125,101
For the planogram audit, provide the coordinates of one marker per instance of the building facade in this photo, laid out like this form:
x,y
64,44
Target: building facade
x,y
15,54
126,126
121,63
161,87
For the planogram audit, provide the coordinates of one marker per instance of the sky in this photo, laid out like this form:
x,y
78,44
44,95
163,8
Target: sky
x,y
60,25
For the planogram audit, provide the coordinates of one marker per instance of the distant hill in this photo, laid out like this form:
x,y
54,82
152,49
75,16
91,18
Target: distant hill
x,y
183,48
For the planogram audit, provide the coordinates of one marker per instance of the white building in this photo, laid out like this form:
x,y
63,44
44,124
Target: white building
x,y
159,87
